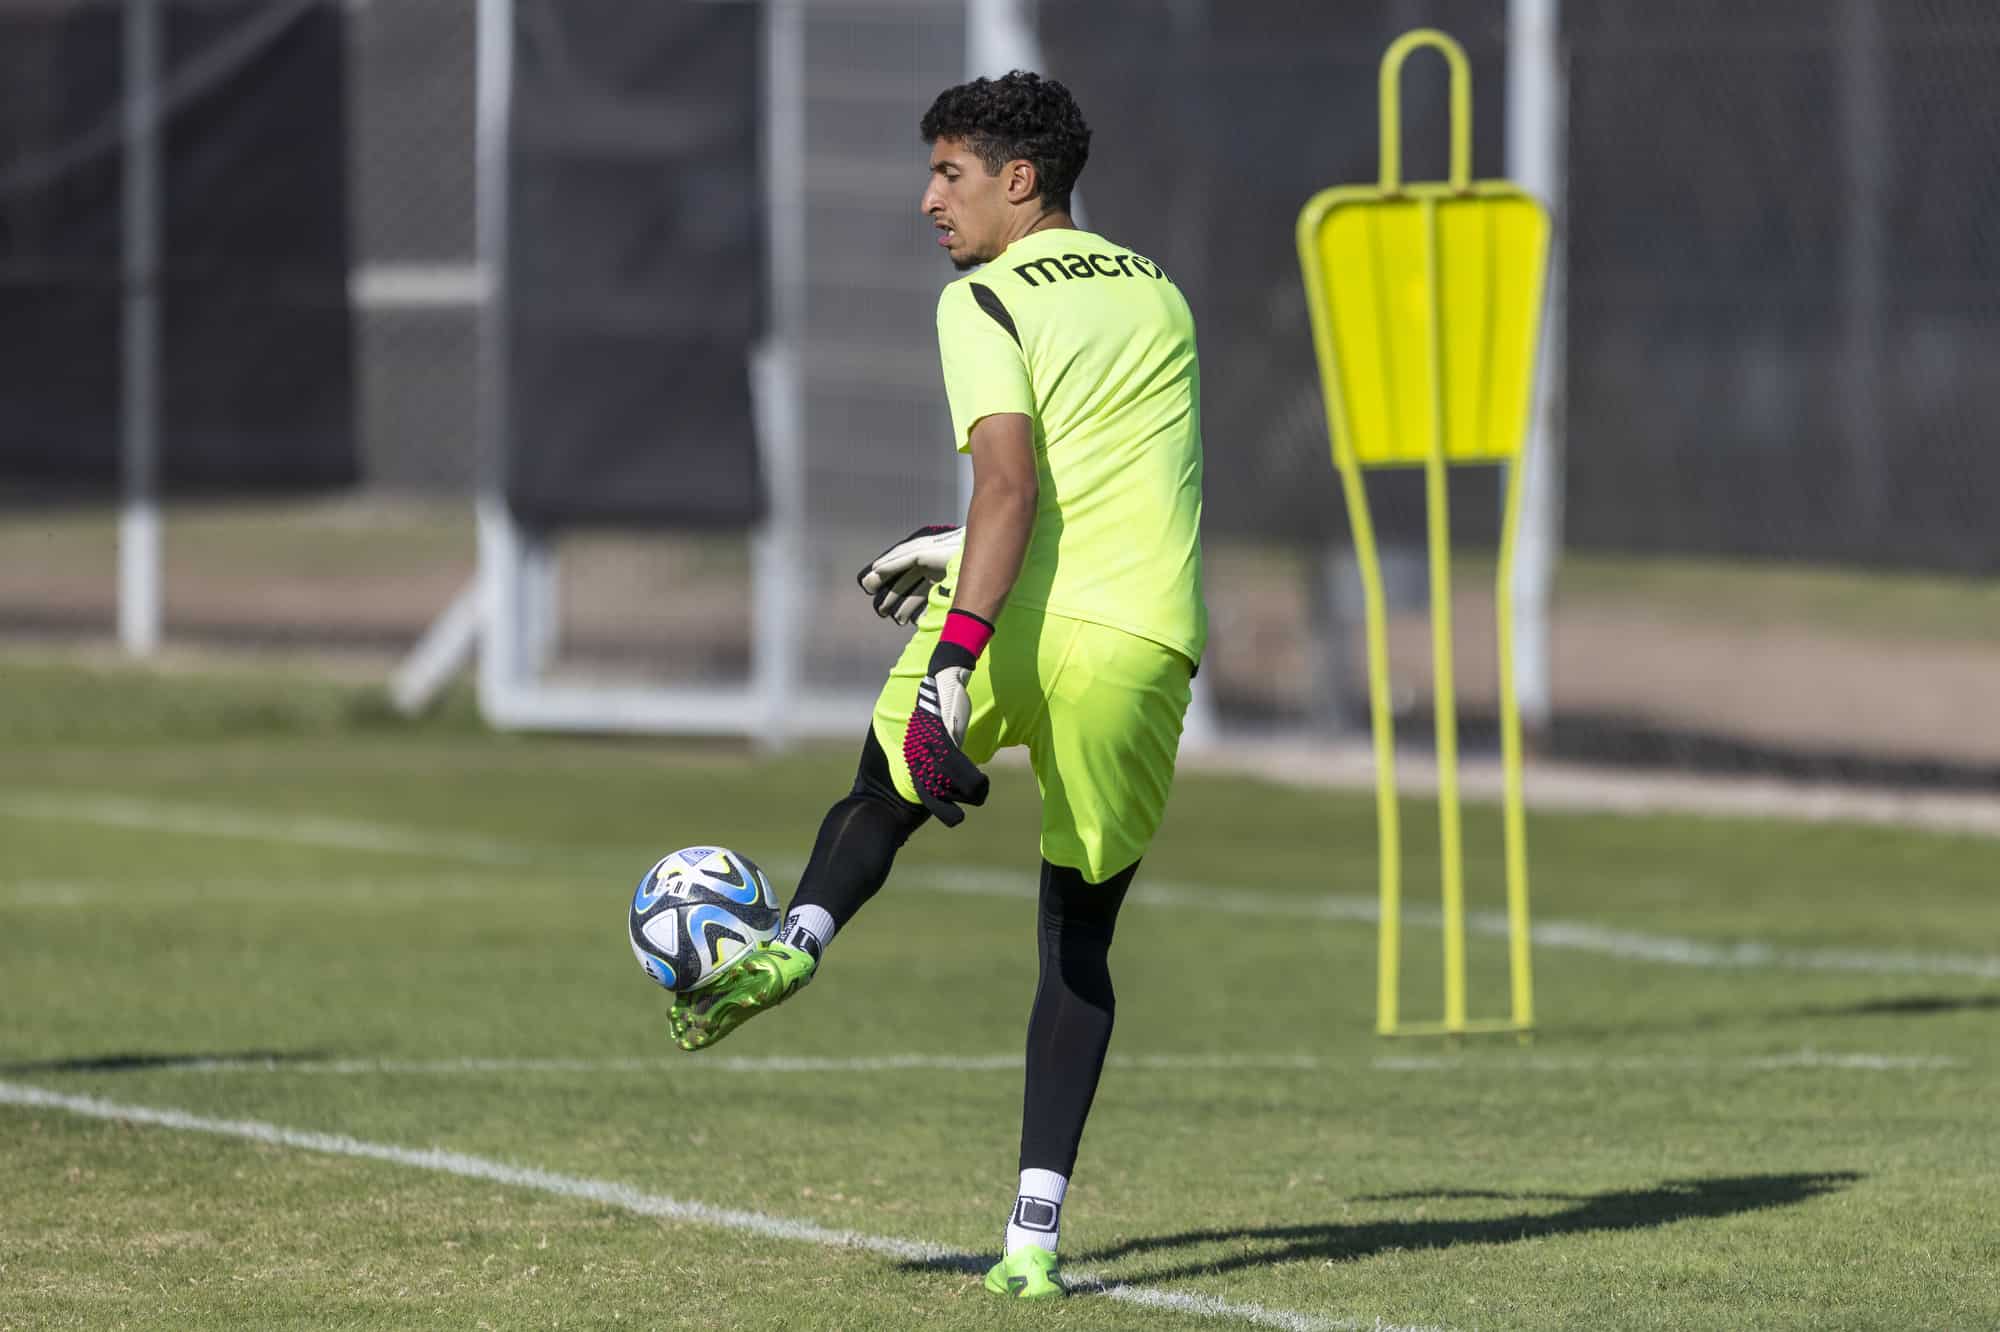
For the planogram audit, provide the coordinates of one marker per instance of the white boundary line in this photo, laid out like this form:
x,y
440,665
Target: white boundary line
x,y
972,881
623,1196
1572,935
1846,1061
113,811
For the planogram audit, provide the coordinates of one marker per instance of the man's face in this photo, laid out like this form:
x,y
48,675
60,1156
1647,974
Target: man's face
x,y
967,203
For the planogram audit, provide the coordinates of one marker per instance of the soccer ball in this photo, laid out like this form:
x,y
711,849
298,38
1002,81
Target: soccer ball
x,y
697,913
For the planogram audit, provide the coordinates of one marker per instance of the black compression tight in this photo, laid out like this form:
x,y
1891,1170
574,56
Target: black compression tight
x,y
858,840
1069,1028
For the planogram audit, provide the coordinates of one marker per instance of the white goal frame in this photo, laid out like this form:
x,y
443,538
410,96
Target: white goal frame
x,y
508,614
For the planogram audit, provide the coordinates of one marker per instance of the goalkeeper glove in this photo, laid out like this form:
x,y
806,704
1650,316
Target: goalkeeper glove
x,y
899,579
944,777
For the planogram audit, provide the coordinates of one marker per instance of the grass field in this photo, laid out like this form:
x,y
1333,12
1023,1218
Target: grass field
x,y
262,950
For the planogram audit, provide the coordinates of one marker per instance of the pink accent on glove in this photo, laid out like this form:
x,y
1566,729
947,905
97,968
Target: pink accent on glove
x,y
966,630
923,744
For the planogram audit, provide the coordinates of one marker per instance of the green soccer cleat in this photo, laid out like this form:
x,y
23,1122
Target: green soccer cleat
x,y
763,980
1028,1273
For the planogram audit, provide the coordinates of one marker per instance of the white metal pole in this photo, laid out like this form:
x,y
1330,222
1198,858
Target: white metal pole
x,y
499,542
1537,104
778,551
998,38
540,601
459,635
139,540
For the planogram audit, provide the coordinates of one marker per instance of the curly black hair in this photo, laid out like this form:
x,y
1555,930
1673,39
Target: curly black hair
x,y
1018,116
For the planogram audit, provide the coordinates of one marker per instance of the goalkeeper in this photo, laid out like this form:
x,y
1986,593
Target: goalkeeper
x,y
1070,622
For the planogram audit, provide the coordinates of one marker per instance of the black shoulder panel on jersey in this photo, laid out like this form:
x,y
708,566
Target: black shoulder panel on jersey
x,y
991,303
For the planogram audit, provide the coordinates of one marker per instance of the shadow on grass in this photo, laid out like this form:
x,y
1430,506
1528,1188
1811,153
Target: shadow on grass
x,y
1906,1006
141,1063
1619,1209
1909,1005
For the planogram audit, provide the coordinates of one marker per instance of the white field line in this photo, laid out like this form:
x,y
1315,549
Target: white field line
x,y
111,811
975,881
1002,1063
401,887
1570,935
623,1196
47,892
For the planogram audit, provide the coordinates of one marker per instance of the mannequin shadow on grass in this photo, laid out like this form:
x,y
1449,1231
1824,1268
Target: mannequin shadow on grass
x,y
1893,1006
1617,1209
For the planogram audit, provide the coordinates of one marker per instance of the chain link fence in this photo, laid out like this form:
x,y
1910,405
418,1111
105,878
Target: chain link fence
x,y
1781,298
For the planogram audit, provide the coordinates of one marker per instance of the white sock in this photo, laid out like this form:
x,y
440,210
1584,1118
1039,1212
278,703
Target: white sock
x,y
1037,1210
808,927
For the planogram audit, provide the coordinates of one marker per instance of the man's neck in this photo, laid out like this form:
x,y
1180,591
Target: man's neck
x,y
1055,219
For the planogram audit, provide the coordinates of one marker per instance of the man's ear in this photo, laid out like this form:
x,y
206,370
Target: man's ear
x,y
1022,180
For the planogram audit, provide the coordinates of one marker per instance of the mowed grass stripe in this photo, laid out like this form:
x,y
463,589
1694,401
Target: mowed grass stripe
x,y
976,881
626,1198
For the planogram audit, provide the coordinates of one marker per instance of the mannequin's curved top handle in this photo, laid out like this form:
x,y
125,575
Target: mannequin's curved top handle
x,y
1461,107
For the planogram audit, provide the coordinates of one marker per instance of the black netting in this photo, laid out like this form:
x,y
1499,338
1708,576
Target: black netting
x,y
1783,294
1211,126
1783,290
635,264
255,361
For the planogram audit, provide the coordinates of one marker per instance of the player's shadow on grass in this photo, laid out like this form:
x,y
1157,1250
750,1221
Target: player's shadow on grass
x,y
1619,1209
141,1063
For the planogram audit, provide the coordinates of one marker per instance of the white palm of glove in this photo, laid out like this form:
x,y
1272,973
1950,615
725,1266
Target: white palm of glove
x,y
945,693
900,578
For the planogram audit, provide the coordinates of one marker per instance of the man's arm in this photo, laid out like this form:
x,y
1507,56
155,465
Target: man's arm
x,y
998,523
1001,516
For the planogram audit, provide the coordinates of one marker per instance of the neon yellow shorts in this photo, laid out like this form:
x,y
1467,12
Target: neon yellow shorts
x,y
1099,709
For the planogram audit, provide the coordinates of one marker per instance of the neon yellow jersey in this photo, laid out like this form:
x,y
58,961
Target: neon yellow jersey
x,y
1097,346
